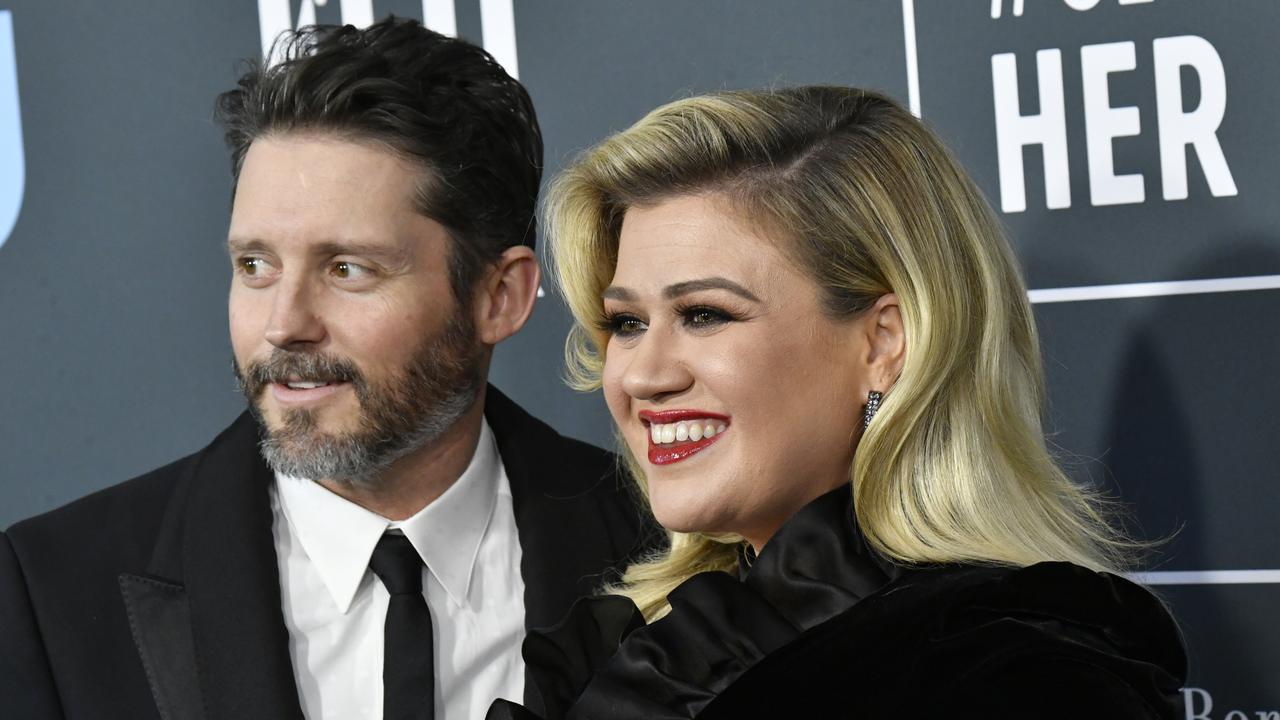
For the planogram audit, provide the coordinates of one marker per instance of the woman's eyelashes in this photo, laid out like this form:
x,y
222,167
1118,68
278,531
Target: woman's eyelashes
x,y
704,317
625,324
621,324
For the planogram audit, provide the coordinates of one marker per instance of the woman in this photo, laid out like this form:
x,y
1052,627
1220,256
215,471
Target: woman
x,y
818,351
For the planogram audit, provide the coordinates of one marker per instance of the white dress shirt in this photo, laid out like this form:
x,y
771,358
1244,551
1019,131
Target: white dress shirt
x,y
335,607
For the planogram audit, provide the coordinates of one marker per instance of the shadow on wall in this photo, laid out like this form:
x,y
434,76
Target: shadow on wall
x,y
1172,405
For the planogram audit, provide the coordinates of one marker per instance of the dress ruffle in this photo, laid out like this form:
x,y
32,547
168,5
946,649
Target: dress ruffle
x,y
1049,641
819,625
602,661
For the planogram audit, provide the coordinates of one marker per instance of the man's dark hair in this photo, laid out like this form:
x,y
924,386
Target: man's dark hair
x,y
440,101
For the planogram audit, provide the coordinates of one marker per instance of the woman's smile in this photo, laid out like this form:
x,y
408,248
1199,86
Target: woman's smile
x,y
675,435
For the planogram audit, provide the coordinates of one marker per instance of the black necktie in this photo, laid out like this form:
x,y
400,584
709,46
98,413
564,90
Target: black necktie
x,y
408,663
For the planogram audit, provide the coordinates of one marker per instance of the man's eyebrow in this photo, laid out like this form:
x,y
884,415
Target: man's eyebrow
x,y
366,249
239,245
332,247
671,292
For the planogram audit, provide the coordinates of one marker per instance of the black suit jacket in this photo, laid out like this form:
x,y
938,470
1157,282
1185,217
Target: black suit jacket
x,y
160,597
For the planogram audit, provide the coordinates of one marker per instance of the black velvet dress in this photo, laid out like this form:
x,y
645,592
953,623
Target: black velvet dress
x,y
820,626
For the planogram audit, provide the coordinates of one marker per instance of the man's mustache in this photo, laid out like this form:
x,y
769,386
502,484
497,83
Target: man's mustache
x,y
285,365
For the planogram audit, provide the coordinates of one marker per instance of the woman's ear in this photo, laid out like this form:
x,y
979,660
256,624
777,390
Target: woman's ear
x,y
505,298
886,342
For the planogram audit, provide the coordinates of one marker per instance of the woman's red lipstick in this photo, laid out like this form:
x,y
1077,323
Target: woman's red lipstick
x,y
667,453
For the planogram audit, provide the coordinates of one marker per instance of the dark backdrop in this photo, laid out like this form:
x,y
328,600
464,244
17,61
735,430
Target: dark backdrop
x,y
1157,304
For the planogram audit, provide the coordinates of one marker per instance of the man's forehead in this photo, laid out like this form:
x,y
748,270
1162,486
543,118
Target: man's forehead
x,y
326,191
326,165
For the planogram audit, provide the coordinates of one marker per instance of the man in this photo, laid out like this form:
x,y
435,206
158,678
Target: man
x,y
374,537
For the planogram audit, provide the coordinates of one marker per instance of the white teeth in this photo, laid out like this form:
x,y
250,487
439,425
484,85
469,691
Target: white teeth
x,y
685,430
306,385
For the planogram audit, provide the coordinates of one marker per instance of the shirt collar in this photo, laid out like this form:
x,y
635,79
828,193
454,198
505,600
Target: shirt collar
x,y
338,535
447,533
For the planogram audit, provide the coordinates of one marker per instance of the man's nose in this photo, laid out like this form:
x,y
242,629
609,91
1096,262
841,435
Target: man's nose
x,y
656,368
294,318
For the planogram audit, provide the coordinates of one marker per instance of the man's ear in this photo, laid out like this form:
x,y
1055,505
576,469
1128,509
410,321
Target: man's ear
x,y
886,342
506,293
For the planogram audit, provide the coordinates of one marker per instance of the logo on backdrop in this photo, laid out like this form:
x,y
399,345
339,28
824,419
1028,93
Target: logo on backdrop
x,y
1199,706
13,169
1178,129
497,22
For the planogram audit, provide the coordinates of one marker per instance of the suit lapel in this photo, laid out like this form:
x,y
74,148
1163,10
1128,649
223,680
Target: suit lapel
x,y
214,574
160,620
566,536
551,564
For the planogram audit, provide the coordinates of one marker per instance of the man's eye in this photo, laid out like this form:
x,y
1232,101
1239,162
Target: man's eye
x,y
250,265
349,270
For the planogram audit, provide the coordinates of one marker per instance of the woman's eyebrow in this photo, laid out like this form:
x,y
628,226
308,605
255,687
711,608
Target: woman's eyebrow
x,y
614,292
672,292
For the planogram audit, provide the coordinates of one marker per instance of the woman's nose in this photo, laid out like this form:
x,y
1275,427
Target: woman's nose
x,y
656,368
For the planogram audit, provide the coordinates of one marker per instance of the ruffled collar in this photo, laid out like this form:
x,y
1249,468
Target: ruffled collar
x,y
602,661
818,564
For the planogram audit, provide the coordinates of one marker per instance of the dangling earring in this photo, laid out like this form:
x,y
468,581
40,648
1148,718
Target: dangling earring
x,y
873,404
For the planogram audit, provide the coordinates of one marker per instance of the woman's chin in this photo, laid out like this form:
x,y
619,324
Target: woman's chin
x,y
687,518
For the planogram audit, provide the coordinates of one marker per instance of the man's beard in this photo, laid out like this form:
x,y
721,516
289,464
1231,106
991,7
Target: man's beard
x,y
397,416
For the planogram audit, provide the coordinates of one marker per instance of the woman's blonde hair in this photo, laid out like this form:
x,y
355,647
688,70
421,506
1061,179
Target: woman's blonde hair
x,y
867,201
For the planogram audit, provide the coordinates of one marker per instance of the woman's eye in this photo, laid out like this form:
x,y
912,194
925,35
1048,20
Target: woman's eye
x,y
630,326
624,325
704,317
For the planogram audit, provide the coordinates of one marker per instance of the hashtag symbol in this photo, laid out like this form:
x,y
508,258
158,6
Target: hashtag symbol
x,y
997,8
